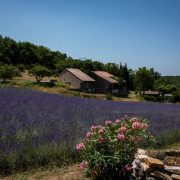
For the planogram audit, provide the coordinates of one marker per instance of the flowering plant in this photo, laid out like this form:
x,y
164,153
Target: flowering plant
x,y
108,150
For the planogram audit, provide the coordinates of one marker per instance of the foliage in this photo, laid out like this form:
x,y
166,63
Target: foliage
x,y
39,72
6,72
151,98
162,139
108,151
21,67
28,54
176,96
165,87
122,72
172,80
145,78
109,96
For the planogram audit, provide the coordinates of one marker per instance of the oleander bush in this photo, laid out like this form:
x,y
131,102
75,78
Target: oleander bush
x,y
108,151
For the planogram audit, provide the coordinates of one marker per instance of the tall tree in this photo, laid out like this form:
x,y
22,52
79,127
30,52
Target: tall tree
x,y
144,79
112,68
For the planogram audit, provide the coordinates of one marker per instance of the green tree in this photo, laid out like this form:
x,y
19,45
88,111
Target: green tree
x,y
40,72
112,68
145,78
127,75
6,72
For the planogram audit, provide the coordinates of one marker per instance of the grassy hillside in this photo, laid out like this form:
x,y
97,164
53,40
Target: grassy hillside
x,y
28,81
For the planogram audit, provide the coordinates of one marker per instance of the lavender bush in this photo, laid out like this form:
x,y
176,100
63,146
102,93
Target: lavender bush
x,y
31,120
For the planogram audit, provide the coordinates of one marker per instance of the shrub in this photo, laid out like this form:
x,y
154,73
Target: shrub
x,y
40,72
21,67
176,96
108,151
109,96
6,72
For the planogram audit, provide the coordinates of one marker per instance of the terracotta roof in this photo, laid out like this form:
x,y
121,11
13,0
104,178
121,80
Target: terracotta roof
x,y
105,75
79,74
151,92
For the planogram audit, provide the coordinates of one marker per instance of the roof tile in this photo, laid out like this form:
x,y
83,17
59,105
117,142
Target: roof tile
x,y
81,75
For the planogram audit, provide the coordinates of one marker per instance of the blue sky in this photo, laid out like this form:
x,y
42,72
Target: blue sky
x,y
138,32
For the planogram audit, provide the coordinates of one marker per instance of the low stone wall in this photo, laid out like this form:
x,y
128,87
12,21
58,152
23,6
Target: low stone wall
x,y
148,168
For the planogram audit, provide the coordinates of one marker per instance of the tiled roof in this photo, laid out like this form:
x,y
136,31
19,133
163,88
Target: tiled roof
x,y
105,75
79,74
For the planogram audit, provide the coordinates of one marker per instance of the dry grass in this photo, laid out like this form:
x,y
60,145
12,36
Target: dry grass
x,y
72,172
27,80
27,77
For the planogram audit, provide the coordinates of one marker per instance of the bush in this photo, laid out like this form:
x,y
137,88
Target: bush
x,y
40,72
176,96
21,67
109,96
17,72
108,151
6,72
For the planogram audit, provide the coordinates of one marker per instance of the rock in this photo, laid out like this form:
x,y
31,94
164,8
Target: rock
x,y
160,175
172,160
175,177
137,163
150,178
137,168
172,169
172,153
154,163
142,158
141,152
141,155
146,168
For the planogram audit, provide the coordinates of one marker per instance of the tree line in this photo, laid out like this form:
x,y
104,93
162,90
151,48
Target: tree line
x,y
41,61
29,55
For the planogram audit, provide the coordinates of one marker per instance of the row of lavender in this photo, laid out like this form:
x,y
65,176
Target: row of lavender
x,y
47,118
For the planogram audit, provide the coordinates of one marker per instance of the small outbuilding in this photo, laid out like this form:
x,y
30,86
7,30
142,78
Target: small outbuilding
x,y
151,93
77,79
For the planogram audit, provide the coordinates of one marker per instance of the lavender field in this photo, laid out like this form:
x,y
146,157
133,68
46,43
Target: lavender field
x,y
37,118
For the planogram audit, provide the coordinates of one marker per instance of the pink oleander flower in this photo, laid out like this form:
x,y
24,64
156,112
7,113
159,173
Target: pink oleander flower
x,y
93,128
108,123
101,131
134,119
88,135
122,130
80,146
128,167
136,125
101,140
121,137
83,165
117,121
